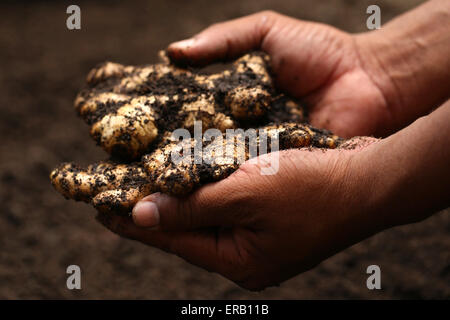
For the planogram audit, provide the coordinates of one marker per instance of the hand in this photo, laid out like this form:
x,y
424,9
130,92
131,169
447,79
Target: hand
x,y
372,83
317,63
260,230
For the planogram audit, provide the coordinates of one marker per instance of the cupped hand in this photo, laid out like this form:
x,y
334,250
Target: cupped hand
x,y
323,66
259,230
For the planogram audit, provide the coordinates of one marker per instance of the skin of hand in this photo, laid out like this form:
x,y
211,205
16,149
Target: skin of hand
x,y
259,230
317,63
372,83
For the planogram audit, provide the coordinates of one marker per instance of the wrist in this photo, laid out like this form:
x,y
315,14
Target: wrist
x,y
407,59
377,186
408,171
370,208
383,183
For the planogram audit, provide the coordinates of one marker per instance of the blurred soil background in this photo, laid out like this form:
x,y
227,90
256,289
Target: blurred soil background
x,y
43,65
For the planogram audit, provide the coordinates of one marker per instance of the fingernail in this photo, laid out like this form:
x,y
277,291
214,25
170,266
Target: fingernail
x,y
183,44
145,214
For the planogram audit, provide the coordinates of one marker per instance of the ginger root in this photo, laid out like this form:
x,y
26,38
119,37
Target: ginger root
x,y
132,112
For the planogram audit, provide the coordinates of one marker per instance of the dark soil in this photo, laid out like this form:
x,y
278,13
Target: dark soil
x,y
42,67
184,87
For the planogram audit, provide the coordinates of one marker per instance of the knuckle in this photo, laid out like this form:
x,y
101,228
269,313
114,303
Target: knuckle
x,y
247,169
268,13
267,18
214,26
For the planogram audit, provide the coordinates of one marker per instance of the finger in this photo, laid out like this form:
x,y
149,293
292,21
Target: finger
x,y
218,204
119,201
201,248
223,41
197,247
